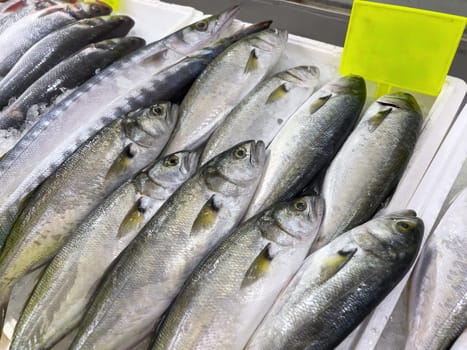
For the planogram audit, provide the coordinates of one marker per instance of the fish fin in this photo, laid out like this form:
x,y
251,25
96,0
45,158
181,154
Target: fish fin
x,y
277,94
206,217
122,161
133,219
333,263
154,58
259,267
252,63
318,103
377,119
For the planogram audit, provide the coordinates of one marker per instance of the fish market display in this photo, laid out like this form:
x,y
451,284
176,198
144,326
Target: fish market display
x,y
59,300
309,140
48,52
98,167
212,96
102,99
438,290
226,298
262,113
369,164
151,271
20,36
339,284
67,75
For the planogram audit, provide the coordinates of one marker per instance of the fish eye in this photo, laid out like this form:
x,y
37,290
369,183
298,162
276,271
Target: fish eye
x,y
300,205
170,161
157,110
404,227
240,152
202,26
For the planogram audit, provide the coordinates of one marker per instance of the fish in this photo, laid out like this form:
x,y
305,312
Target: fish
x,y
261,114
67,75
149,273
98,167
369,165
224,83
102,99
69,281
12,11
23,34
340,284
309,140
228,295
461,342
438,286
57,46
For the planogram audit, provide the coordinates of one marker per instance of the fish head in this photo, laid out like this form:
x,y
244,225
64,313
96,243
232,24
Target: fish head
x,y
238,167
302,76
203,32
144,126
396,236
174,169
291,222
88,9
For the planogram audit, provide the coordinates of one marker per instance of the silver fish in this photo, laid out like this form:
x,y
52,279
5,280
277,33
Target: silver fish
x,y
150,272
13,10
369,164
98,167
57,46
224,83
23,34
228,295
340,284
61,130
60,298
264,111
438,288
309,140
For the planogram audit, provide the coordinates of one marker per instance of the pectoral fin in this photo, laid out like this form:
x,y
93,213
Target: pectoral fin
x,y
206,217
277,94
252,63
133,220
259,267
320,102
123,161
377,119
333,263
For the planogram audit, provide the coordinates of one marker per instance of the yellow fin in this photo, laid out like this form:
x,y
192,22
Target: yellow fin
x,y
206,217
320,102
277,94
259,267
377,119
333,263
122,162
252,63
133,220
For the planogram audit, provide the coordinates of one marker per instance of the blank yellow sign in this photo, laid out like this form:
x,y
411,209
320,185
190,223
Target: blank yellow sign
x,y
402,47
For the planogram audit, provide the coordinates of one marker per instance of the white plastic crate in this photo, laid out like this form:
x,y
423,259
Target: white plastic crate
x,y
155,19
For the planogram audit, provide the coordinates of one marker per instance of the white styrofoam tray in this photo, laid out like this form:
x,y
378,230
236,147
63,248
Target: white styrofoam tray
x,y
155,19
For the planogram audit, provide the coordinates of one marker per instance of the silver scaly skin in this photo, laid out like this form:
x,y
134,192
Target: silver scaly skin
x,y
69,281
56,47
12,11
20,36
309,140
369,164
264,111
98,167
340,284
438,288
152,269
118,89
228,295
224,83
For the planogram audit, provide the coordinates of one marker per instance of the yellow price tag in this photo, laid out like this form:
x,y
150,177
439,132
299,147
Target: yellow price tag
x,y
397,46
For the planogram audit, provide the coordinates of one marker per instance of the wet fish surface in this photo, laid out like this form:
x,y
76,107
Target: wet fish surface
x,y
340,284
60,298
98,167
264,111
228,295
152,269
309,140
